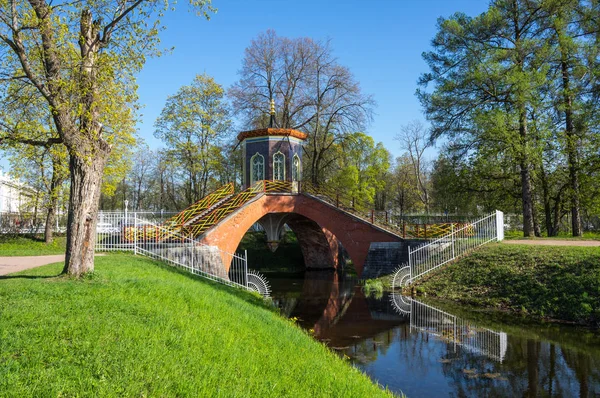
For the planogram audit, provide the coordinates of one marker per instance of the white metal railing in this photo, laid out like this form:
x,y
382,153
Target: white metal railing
x,y
451,328
111,224
30,223
429,256
122,231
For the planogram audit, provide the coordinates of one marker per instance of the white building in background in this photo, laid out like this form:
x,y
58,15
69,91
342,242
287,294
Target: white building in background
x,y
15,196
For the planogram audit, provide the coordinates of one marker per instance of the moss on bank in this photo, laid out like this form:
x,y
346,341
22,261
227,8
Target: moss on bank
x,y
138,328
556,282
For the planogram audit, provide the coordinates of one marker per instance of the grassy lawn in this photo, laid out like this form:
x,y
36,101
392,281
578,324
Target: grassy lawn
x,y
30,245
139,328
546,281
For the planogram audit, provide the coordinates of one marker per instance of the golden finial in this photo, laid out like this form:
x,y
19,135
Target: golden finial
x,y
272,106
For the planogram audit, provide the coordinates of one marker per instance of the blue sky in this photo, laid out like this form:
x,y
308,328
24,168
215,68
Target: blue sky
x,y
380,41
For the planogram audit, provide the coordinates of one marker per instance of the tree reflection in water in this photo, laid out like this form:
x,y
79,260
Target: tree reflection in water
x,y
425,351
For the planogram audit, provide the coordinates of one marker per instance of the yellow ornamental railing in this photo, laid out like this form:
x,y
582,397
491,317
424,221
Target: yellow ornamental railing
x,y
426,231
228,207
236,202
200,206
196,210
277,186
210,210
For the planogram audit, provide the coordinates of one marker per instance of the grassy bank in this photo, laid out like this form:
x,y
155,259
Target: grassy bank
x,y
138,328
30,245
555,282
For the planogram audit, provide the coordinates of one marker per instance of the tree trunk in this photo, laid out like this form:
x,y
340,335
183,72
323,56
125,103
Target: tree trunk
x,y
88,153
571,144
55,183
572,155
527,197
536,220
34,225
50,218
536,226
86,180
547,205
527,201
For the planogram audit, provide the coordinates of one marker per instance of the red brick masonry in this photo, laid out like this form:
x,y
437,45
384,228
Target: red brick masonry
x,y
355,235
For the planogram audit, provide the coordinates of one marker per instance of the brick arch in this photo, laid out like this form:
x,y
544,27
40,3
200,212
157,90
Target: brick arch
x,y
319,246
354,234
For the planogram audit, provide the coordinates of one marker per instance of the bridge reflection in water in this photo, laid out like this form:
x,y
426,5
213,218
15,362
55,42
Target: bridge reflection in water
x,y
338,312
451,328
420,350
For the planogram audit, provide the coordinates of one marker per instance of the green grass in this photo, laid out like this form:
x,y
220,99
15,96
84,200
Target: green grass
x,y
373,287
553,282
30,245
138,328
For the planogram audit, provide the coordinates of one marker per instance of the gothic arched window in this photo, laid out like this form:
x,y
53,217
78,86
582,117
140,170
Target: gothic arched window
x,y
279,166
257,168
296,168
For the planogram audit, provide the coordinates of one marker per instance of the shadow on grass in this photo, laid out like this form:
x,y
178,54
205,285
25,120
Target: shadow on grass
x,y
247,296
9,276
8,238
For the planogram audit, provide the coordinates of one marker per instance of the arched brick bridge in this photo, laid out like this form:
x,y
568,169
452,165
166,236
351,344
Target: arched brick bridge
x,y
320,228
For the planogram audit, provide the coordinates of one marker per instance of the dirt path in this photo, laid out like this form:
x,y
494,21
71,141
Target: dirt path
x,y
552,242
8,265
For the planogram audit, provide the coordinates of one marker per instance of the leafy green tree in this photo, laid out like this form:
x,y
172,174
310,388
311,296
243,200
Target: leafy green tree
x,y
569,30
517,84
448,192
37,157
487,72
80,59
193,125
35,154
363,170
404,191
45,169
229,164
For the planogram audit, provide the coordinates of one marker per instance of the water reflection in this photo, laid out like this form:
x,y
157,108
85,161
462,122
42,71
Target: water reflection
x,y
449,327
426,350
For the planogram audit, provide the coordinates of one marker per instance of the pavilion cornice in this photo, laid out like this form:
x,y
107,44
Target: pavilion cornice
x,y
272,132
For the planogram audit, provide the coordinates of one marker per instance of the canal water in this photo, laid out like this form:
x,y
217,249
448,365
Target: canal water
x,y
428,349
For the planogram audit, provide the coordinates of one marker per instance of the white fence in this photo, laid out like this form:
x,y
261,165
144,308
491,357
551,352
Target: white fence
x,y
432,255
451,328
122,231
29,223
112,224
